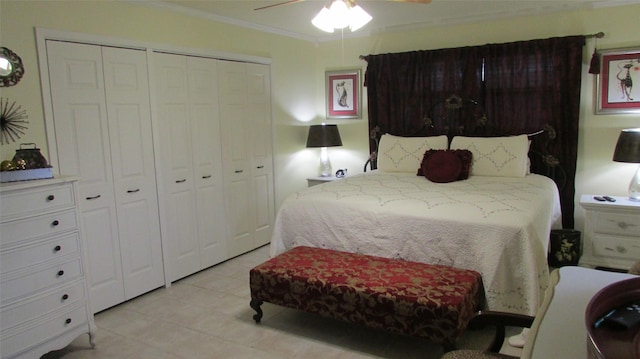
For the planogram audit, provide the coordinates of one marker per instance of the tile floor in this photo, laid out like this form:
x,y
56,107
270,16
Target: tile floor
x,y
207,315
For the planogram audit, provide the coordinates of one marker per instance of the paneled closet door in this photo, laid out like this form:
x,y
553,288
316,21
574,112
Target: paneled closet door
x,y
236,147
176,166
259,114
101,108
82,141
129,114
207,158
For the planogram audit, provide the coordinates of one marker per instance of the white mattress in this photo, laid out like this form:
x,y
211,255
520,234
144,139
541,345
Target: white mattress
x,y
498,226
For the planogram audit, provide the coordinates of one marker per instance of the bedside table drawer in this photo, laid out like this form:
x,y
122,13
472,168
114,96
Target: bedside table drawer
x,y
617,247
616,223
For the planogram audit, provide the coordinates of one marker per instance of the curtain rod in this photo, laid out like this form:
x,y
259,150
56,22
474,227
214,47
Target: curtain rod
x,y
598,35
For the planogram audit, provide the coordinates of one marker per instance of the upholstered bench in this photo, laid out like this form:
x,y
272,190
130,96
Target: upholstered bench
x,y
417,299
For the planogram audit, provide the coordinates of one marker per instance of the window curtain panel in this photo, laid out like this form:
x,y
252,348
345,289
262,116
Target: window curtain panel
x,y
524,86
401,87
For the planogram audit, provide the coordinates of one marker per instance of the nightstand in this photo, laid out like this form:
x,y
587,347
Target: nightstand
x,y
313,181
611,233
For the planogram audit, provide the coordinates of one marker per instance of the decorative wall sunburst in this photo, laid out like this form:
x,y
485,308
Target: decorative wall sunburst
x,y
13,120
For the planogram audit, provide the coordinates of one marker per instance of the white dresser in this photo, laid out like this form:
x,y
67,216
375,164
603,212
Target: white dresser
x,y
44,301
611,233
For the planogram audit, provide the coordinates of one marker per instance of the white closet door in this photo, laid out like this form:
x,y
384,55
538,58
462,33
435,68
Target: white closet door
x,y
259,113
207,157
128,107
176,160
237,155
82,140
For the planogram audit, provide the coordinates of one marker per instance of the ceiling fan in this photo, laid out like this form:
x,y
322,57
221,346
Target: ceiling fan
x,y
350,1
339,14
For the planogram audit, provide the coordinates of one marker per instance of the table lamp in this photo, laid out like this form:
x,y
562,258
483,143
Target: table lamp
x,y
628,150
324,136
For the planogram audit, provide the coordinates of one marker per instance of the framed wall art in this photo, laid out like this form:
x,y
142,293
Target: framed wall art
x,y
343,94
619,83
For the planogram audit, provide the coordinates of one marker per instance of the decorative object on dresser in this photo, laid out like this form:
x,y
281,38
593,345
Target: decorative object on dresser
x,y
628,150
611,232
44,295
13,120
324,136
27,164
11,68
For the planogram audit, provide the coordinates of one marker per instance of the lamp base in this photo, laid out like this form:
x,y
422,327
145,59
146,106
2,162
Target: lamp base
x,y
634,187
325,163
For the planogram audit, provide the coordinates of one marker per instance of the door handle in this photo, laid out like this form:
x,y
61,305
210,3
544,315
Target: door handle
x,y
92,197
133,190
206,177
181,181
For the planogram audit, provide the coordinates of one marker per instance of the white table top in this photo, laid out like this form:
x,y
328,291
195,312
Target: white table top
x,y
562,332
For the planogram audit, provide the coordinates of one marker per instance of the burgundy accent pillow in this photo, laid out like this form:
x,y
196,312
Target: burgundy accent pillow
x,y
442,166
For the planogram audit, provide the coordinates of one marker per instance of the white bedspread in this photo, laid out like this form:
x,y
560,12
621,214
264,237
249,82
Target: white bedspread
x,y
498,226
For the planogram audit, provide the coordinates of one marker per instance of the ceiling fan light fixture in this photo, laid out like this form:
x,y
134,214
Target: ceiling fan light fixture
x,y
359,18
339,15
323,20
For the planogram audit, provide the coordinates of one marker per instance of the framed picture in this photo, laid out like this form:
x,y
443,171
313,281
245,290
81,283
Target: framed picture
x,y
343,95
619,83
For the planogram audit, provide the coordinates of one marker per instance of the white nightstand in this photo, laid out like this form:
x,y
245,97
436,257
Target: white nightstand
x,y
313,181
611,233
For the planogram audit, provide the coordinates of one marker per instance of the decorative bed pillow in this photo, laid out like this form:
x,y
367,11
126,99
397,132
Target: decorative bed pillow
x,y
496,156
444,166
403,154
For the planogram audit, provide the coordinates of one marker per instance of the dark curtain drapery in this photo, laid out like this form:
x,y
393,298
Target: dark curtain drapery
x,y
523,86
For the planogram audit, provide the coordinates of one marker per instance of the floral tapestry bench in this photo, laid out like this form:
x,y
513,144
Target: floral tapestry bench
x,y
417,299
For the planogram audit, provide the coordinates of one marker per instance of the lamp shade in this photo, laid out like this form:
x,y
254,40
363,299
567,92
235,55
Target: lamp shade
x,y
323,136
628,146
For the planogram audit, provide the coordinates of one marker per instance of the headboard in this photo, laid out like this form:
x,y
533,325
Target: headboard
x,y
456,116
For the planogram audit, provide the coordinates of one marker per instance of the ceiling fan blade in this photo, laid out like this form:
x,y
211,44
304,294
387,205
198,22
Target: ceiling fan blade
x,y
278,4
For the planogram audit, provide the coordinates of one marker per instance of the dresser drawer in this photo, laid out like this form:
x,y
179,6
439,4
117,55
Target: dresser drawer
x,y
15,342
38,200
29,255
610,246
41,305
45,225
617,223
22,283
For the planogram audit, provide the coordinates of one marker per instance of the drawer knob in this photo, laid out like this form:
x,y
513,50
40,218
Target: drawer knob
x,y
57,248
51,197
55,223
65,296
68,321
60,273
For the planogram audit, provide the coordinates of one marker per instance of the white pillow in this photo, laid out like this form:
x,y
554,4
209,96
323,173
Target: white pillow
x,y
496,156
404,154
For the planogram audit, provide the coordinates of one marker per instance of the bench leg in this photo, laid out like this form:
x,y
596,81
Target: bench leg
x,y
255,304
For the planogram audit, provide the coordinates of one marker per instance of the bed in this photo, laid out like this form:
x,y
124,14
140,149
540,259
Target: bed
x,y
496,220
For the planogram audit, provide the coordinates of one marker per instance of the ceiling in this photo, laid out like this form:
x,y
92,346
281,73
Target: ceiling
x,y
294,20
